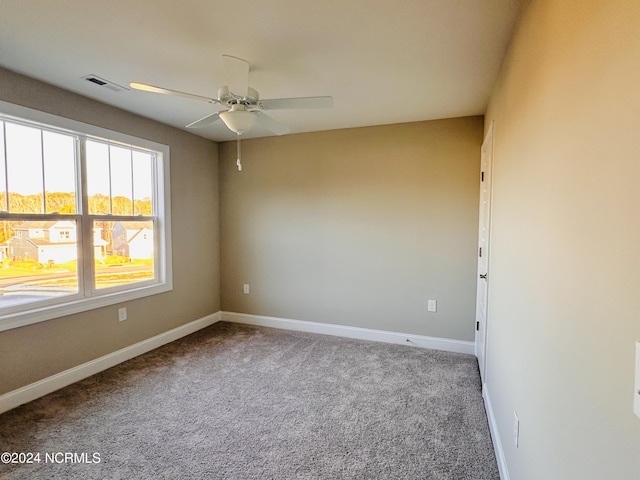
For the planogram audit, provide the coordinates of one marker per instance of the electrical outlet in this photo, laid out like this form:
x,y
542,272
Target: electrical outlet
x,y
516,429
246,289
432,306
122,314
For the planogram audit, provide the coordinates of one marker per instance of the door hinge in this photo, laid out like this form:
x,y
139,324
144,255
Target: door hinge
x,y
482,176
480,252
477,326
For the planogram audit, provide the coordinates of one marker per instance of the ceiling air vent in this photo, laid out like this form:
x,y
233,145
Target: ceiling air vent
x,y
101,82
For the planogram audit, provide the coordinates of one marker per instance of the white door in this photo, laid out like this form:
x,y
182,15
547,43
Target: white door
x,y
483,250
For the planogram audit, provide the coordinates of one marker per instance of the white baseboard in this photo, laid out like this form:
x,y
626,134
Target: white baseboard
x,y
495,435
446,344
55,382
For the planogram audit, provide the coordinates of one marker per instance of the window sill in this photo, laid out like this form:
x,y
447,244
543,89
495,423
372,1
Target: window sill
x,y
43,313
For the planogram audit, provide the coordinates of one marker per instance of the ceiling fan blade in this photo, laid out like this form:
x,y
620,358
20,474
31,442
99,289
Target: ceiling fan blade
x,y
237,75
166,91
299,102
204,121
270,124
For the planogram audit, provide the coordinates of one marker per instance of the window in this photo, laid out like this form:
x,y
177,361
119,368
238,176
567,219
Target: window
x,y
84,217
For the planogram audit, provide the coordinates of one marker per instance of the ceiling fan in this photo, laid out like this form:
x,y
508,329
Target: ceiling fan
x,y
244,106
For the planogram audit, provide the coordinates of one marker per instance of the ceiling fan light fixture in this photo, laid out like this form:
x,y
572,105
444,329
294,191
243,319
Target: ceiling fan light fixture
x,y
238,121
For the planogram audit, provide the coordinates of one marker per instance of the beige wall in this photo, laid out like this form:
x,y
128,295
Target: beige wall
x,y
565,285
34,352
356,227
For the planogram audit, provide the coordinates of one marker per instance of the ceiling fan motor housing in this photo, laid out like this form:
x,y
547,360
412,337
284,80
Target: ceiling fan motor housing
x,y
228,98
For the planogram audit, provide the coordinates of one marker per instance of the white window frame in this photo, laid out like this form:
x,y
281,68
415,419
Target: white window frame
x,y
89,297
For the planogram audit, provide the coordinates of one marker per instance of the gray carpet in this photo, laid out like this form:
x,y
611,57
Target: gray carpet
x,y
241,402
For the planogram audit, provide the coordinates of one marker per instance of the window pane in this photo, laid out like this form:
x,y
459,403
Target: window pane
x,y
59,172
124,252
39,261
121,181
98,183
142,183
24,168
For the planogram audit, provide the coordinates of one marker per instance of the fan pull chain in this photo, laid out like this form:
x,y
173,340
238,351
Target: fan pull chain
x,y
238,162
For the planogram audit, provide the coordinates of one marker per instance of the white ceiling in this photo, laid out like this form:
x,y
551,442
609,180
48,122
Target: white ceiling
x,y
383,61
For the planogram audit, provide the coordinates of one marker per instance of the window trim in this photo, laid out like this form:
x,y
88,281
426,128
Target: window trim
x,y
39,312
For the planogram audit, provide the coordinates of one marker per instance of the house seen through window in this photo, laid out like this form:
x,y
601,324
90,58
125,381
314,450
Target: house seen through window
x,y
80,217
